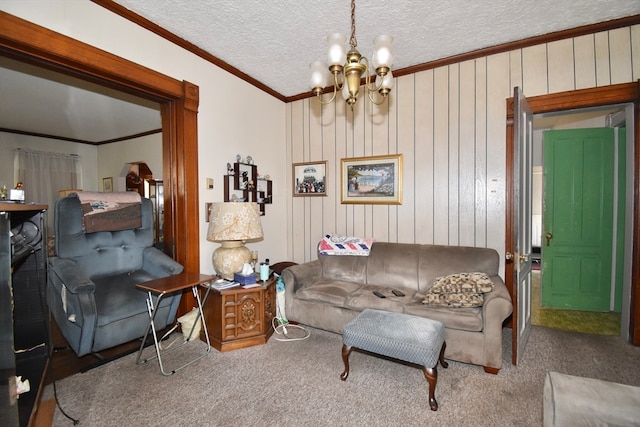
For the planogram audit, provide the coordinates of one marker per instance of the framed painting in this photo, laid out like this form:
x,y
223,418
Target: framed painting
x,y
107,185
310,179
371,180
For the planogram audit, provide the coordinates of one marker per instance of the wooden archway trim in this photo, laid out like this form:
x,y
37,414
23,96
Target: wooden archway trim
x,y
585,98
179,100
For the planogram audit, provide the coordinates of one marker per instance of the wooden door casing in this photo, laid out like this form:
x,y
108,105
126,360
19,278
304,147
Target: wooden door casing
x,y
593,97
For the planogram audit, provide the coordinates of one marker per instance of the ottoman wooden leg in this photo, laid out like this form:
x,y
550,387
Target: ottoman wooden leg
x,y
346,351
431,374
442,361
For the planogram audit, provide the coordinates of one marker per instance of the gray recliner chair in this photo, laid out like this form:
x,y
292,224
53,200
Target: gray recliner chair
x,y
92,280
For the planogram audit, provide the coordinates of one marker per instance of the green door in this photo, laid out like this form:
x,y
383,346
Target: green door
x,y
578,218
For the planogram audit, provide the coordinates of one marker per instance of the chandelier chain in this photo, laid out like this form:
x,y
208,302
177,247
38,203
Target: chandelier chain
x,y
353,40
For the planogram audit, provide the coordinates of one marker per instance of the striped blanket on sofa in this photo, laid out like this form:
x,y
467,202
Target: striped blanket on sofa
x,y
334,244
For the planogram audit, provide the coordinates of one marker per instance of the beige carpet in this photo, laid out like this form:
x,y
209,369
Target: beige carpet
x,y
297,384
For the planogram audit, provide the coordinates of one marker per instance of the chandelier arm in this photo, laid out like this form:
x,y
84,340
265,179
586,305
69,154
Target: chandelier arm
x,y
336,86
329,101
368,85
370,94
371,86
375,86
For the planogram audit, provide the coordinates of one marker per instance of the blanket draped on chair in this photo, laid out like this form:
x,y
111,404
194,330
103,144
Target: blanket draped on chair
x,y
110,211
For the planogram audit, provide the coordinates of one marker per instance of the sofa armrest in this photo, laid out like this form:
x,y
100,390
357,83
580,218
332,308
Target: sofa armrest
x,y
66,272
159,264
299,276
497,303
497,307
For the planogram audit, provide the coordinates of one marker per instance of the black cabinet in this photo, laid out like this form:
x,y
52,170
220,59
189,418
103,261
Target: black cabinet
x,y
24,331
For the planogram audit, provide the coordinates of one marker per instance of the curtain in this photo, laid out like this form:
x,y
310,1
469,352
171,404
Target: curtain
x,y
43,174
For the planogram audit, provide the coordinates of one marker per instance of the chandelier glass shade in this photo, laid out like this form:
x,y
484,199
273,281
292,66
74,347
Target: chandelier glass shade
x,y
349,67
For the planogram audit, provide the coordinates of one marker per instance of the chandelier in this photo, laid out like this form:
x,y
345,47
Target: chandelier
x,y
349,67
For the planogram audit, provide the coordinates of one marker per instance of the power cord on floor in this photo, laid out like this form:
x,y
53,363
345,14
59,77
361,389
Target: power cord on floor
x,y
51,349
285,331
55,395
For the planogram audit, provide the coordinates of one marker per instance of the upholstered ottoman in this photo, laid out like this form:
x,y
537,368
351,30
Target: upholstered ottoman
x,y
576,401
401,336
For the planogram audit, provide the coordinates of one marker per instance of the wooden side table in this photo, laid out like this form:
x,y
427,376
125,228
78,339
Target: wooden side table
x,y
238,317
167,286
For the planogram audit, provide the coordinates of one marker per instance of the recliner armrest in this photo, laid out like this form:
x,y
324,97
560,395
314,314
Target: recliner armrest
x,y
158,263
69,274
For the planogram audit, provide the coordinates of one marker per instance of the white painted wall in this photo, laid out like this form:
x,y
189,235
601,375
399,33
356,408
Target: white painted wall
x,y
234,116
114,157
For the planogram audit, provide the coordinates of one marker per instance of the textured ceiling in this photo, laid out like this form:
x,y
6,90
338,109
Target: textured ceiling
x,y
274,41
44,102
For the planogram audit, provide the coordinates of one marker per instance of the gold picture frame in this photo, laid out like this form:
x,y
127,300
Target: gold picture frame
x,y
371,180
310,179
107,185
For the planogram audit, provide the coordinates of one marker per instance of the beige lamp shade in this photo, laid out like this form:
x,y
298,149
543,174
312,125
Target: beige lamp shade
x,y
231,223
234,221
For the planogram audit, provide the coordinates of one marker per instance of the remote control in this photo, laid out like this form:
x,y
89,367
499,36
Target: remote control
x,y
397,293
378,294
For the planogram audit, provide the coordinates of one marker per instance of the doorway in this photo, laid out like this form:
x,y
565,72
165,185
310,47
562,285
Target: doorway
x,y
568,230
25,41
627,94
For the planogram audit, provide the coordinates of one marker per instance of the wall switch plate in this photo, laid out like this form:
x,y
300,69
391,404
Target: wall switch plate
x,y
209,183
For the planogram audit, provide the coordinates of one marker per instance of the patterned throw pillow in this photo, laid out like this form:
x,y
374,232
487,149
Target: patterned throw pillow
x,y
471,283
454,300
459,290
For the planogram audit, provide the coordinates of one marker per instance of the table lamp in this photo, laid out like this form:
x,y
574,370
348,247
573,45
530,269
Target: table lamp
x,y
231,224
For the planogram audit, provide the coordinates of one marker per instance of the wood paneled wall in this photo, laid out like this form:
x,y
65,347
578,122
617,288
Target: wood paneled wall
x,y
449,124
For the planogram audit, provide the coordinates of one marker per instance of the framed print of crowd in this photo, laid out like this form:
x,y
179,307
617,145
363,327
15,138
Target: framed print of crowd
x,y
310,179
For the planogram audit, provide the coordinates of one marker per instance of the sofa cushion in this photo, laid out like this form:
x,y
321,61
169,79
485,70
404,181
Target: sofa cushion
x,y
439,261
117,297
332,292
364,298
394,264
465,319
344,268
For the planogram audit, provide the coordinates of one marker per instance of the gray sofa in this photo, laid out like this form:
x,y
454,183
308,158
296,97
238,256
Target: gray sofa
x,y
328,292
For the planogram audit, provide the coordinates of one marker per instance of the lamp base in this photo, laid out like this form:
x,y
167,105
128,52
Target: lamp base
x,y
229,258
